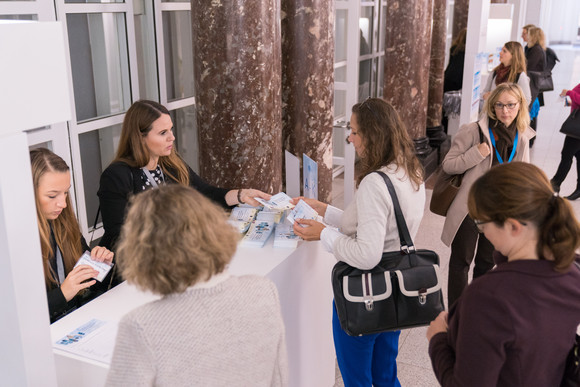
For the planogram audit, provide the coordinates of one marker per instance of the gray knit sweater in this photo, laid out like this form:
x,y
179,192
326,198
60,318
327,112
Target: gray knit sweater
x,y
231,334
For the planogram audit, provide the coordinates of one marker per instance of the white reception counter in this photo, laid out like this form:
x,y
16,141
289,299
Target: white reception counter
x,y
302,276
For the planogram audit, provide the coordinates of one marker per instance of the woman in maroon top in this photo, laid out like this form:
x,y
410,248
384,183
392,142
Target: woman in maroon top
x,y
515,325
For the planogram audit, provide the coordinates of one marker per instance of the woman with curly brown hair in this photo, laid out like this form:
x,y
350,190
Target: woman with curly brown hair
x,y
368,228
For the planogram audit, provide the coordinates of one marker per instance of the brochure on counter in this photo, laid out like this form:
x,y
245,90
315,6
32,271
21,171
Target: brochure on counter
x,y
94,340
284,236
258,234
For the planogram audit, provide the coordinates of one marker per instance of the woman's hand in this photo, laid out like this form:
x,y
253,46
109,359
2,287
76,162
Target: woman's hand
x,y
563,93
74,281
316,205
310,231
246,196
102,254
484,149
438,325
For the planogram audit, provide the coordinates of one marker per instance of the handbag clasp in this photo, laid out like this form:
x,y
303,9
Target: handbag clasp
x,y
369,305
422,296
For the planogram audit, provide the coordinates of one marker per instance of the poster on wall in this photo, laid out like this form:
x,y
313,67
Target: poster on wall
x,y
310,177
480,61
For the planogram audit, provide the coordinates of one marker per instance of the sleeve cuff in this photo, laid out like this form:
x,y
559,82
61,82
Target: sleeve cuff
x,y
332,215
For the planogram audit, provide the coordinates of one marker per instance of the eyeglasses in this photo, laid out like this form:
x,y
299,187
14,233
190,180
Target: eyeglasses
x,y
509,106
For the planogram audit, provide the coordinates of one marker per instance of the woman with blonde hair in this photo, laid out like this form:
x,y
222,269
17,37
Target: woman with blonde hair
x,y
516,325
146,158
61,241
368,228
208,328
500,136
512,69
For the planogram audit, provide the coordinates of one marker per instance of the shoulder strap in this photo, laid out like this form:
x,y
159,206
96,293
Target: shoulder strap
x,y
481,136
404,236
518,77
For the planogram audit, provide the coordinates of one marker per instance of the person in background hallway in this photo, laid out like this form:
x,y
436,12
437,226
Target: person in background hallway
x,y
512,69
147,158
453,77
525,30
208,328
368,228
570,149
536,61
505,122
61,241
515,326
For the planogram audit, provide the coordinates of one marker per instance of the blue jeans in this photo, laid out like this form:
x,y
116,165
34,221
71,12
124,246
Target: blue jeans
x,y
368,360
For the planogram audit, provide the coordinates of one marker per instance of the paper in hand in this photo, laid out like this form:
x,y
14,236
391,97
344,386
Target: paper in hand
x,y
102,267
302,211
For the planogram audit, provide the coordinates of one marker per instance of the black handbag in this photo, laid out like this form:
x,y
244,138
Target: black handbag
x,y
402,291
571,127
541,80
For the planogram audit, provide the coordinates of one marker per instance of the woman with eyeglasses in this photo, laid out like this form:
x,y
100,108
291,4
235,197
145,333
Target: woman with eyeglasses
x,y
512,69
500,136
516,325
368,228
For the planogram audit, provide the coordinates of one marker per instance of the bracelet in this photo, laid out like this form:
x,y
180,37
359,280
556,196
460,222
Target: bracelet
x,y
240,196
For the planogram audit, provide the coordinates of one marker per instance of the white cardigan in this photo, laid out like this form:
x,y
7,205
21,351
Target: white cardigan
x,y
368,226
523,82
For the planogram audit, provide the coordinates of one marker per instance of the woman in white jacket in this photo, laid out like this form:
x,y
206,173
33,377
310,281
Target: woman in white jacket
x,y
368,228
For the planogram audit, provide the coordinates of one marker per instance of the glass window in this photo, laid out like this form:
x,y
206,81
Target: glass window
x,y
100,64
185,130
18,17
381,76
339,103
146,52
178,54
365,24
94,1
383,27
340,29
47,145
340,74
364,80
97,150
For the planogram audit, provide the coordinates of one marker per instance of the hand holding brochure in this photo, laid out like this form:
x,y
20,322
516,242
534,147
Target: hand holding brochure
x,y
102,267
303,211
280,201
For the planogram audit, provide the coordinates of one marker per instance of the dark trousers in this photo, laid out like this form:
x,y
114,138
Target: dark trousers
x,y
463,251
570,149
533,125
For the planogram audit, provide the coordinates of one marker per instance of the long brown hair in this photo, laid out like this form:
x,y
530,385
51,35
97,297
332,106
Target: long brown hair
x,y
132,149
459,42
518,63
65,228
522,191
385,140
536,36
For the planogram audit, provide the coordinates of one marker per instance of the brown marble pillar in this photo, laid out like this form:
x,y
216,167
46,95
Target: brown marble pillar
x,y
460,13
407,57
436,69
308,83
238,91
499,1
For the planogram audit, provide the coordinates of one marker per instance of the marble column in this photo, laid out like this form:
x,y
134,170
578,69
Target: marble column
x,y
237,48
308,84
435,130
407,56
460,13
499,1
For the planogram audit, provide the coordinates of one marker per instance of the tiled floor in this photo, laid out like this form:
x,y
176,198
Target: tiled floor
x,y
414,367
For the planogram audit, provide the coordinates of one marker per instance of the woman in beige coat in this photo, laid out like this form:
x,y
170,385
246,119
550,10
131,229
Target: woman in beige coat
x,y
504,126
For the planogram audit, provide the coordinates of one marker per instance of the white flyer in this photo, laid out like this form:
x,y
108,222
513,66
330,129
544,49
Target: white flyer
x,y
280,201
94,340
302,211
102,267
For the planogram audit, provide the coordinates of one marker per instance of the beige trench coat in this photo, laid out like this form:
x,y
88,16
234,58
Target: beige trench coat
x,y
463,156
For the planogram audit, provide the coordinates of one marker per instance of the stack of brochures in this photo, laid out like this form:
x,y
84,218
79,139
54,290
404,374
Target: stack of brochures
x,y
258,233
284,236
242,217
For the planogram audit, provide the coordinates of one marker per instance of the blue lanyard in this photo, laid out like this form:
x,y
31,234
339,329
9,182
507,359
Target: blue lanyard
x,y
497,153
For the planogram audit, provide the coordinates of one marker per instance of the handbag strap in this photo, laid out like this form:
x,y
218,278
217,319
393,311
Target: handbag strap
x,y
404,236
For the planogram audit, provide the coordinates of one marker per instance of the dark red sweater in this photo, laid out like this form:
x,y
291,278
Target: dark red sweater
x,y
511,327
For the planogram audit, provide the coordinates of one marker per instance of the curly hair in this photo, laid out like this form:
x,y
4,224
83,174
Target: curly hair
x,y
385,140
132,149
174,237
522,191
